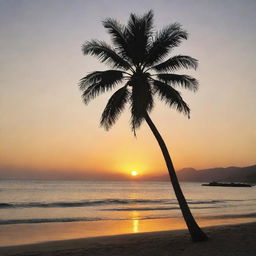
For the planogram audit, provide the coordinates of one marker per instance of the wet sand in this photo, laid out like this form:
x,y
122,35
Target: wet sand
x,y
18,234
228,240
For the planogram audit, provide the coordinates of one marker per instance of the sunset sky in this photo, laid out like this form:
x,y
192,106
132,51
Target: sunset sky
x,y
45,127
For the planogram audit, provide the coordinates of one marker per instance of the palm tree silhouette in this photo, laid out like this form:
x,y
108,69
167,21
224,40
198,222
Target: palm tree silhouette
x,y
138,61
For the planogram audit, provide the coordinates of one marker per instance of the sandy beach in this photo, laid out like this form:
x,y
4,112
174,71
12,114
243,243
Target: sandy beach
x,y
229,240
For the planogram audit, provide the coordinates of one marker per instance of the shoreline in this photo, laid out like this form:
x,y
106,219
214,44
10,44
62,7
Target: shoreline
x,y
20,234
225,240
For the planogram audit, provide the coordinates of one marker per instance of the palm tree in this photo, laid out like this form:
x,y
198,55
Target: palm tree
x,y
139,62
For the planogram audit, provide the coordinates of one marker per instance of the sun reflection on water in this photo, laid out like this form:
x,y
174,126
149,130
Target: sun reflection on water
x,y
135,221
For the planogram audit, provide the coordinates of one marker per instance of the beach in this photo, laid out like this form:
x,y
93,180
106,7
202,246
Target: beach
x,y
225,240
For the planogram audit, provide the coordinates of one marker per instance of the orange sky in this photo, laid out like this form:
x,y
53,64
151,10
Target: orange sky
x,y
45,126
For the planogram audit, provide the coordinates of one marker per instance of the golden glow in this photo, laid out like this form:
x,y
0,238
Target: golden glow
x,y
124,162
135,222
134,173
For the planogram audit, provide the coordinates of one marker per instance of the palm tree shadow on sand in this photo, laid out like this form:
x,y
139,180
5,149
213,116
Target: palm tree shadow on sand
x,y
139,61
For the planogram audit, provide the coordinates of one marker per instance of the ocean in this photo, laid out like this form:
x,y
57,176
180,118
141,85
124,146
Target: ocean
x,y
40,201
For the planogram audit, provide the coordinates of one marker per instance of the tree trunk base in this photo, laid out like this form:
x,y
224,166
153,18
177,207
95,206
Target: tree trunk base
x,y
199,236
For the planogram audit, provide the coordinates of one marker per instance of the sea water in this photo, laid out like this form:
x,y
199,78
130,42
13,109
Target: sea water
x,y
40,201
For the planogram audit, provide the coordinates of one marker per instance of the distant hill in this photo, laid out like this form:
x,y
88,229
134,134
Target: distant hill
x,y
231,174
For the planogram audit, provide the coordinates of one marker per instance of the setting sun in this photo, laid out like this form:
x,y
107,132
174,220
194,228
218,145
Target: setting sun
x,y
134,173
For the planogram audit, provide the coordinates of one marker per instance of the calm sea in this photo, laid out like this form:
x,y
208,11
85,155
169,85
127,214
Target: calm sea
x,y
69,201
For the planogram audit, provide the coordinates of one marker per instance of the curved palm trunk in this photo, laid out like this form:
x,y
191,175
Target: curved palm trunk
x,y
196,233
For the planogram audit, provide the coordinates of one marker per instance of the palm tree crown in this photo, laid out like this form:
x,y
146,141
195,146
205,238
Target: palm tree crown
x,y
140,62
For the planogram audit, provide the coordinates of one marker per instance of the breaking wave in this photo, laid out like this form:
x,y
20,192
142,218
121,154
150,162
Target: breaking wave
x,y
87,203
58,220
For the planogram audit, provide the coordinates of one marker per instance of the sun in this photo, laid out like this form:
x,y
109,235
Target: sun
x,y
134,173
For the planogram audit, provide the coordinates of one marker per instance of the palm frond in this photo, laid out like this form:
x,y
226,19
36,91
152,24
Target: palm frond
x,y
184,81
105,53
171,96
117,32
106,77
141,100
176,62
114,107
98,82
147,21
165,40
138,33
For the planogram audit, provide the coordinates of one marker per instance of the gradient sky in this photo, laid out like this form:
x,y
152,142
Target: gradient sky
x,y
45,126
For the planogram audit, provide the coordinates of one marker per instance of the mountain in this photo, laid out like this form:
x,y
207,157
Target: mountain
x,y
230,174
